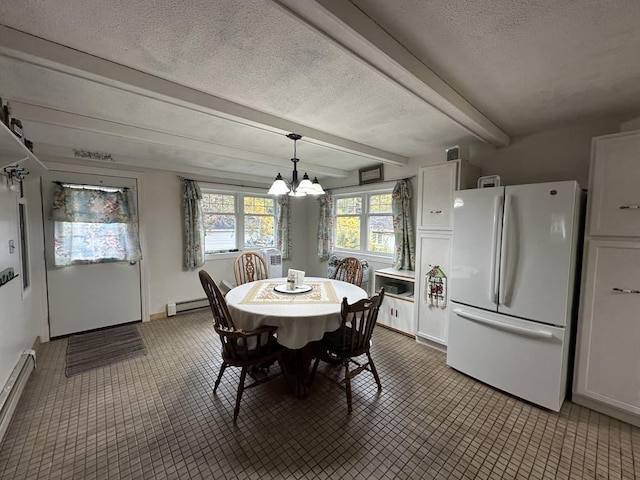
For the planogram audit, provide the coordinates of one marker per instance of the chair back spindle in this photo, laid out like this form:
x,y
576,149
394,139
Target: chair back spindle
x,y
349,270
249,267
240,348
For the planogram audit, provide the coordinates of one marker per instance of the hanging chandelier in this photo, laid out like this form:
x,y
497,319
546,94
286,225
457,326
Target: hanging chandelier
x,y
296,188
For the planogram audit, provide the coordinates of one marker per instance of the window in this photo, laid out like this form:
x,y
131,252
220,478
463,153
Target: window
x,y
24,245
364,223
234,220
94,224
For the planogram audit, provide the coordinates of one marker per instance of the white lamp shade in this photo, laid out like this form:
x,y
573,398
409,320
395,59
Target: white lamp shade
x,y
317,189
297,193
305,186
279,187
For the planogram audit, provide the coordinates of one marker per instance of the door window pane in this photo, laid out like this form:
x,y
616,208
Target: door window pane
x,y
24,246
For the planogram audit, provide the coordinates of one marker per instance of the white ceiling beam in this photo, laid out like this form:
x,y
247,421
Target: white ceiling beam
x,y
345,24
38,51
61,155
59,118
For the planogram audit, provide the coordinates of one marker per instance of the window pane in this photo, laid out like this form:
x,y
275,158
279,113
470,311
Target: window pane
x,y
259,205
24,246
79,242
349,206
219,232
348,233
218,203
258,231
381,237
380,203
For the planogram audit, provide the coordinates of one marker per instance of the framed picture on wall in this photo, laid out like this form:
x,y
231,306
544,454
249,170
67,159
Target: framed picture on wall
x,y
371,174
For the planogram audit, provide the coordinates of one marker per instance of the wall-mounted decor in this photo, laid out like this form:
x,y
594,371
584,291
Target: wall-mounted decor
x,y
371,174
6,276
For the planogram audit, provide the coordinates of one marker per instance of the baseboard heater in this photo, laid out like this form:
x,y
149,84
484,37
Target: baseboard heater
x,y
13,388
186,306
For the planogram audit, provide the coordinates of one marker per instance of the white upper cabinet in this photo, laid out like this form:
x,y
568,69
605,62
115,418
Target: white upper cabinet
x,y
436,184
614,200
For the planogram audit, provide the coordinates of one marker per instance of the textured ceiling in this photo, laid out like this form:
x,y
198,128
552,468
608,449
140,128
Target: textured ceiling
x,y
525,65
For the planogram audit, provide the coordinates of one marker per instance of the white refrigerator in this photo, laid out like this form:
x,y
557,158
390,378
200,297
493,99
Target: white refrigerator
x,y
512,287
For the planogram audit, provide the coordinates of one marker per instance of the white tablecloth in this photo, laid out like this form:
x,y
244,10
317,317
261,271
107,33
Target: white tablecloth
x,y
298,324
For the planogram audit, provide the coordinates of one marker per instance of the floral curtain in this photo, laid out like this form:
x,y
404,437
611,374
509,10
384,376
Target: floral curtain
x,y
325,226
283,226
193,224
404,255
94,225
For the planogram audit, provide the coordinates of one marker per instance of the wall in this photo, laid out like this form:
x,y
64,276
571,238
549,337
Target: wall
x,y
557,154
22,314
552,155
168,281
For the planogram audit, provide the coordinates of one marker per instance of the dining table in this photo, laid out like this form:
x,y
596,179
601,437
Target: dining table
x,y
302,315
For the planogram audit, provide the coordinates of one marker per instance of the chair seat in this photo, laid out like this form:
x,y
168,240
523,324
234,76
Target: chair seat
x,y
269,351
351,340
332,341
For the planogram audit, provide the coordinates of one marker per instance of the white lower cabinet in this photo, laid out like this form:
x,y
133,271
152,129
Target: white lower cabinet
x,y
397,313
608,364
396,310
432,317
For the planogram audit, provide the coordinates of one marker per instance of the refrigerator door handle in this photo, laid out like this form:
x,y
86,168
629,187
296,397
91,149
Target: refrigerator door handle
x,y
493,277
503,326
505,263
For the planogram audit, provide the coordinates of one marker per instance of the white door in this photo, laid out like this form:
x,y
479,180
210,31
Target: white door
x,y
608,369
520,357
86,297
538,251
477,224
437,183
614,194
433,321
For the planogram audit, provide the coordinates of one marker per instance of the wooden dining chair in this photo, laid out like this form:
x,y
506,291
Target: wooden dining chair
x,y
244,349
352,340
349,270
249,267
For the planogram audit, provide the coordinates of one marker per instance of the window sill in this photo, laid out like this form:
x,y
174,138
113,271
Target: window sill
x,y
366,256
221,255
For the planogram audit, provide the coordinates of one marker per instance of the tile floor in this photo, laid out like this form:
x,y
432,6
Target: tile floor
x,y
155,417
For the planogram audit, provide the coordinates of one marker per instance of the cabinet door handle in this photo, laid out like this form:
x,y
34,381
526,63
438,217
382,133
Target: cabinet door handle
x,y
629,207
435,211
625,290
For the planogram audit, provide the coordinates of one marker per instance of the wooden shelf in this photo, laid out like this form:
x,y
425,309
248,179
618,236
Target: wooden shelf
x,y
13,152
405,275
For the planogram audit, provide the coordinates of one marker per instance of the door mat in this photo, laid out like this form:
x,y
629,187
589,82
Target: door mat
x,y
87,351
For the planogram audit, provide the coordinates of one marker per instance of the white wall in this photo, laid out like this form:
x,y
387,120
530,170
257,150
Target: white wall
x,y
557,154
168,281
21,313
552,155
